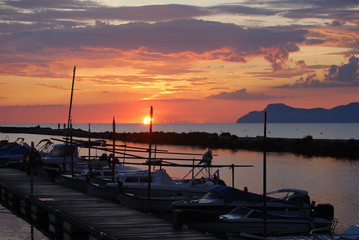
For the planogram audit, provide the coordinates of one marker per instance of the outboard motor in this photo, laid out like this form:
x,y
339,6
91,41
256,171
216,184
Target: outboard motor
x,y
325,211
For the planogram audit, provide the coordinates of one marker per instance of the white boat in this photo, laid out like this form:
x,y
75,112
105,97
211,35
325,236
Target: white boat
x,y
162,185
135,181
245,220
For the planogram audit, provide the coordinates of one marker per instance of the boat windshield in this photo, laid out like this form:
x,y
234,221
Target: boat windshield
x,y
61,151
242,211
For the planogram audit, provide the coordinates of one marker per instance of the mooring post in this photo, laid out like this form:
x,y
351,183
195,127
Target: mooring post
x,y
265,176
31,172
89,161
113,148
232,166
149,155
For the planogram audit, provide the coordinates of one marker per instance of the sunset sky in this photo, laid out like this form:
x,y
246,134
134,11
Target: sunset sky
x,y
194,61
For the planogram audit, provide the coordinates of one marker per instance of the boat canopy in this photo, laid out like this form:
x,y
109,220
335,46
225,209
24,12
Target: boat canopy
x,y
229,194
291,194
63,150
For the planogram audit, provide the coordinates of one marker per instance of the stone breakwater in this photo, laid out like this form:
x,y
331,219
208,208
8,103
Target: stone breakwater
x,y
307,146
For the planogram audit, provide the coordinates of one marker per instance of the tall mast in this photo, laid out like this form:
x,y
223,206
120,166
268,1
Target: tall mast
x,y
69,128
72,93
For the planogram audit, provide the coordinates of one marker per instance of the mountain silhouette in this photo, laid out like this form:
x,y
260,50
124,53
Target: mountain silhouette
x,y
281,113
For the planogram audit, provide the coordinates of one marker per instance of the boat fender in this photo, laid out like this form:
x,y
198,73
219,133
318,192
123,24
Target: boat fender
x,y
31,158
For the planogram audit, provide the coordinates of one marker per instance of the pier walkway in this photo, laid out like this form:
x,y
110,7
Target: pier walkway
x,y
69,214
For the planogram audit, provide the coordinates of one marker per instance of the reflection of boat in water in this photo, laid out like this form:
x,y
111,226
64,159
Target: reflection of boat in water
x,y
246,220
11,153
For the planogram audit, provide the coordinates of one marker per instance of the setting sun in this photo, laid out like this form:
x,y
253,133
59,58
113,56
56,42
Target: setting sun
x,y
147,120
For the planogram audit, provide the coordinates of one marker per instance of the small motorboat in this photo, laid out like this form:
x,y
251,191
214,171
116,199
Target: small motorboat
x,y
222,199
251,221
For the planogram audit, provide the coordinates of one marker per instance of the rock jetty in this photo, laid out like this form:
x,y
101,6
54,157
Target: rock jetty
x,y
307,146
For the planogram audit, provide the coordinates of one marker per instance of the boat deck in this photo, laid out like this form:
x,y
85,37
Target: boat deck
x,y
76,215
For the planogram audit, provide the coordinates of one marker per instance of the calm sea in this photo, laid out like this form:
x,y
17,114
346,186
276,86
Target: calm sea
x,y
327,180
284,130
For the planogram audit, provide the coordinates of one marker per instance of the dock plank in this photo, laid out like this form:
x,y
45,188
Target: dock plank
x,y
97,216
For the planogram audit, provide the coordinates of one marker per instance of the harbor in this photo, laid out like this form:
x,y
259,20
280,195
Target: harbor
x,y
69,214
255,133
234,179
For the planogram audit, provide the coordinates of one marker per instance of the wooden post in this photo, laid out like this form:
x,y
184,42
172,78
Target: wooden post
x,y
232,175
149,155
71,151
31,172
124,154
265,176
113,149
89,161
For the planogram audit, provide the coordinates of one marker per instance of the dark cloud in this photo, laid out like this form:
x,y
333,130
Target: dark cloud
x,y
320,9
43,4
336,23
310,81
242,10
315,41
346,75
77,13
242,94
54,12
175,36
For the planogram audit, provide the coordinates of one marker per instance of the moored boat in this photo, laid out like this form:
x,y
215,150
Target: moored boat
x,y
11,153
222,199
246,220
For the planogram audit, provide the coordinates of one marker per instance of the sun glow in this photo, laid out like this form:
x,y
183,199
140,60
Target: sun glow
x,y
147,120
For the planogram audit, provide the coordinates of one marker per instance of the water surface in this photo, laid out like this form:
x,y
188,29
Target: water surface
x,y
327,180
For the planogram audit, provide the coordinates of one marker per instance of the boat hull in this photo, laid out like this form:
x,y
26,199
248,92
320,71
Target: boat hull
x,y
256,227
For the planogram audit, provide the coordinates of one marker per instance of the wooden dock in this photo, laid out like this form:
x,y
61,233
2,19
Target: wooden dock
x,y
69,214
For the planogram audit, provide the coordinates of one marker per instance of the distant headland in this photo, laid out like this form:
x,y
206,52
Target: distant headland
x,y
281,113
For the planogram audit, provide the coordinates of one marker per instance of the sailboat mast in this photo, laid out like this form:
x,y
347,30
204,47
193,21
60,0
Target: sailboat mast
x,y
72,93
69,125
